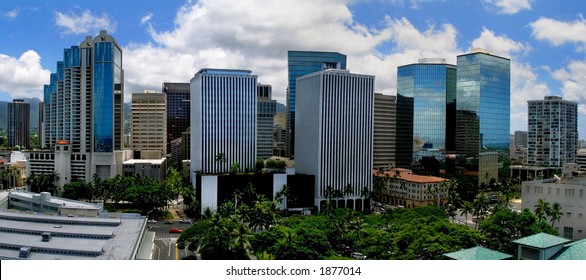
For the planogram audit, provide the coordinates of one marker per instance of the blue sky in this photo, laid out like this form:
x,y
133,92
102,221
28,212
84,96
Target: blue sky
x,y
170,40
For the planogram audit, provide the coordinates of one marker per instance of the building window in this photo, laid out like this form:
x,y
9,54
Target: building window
x,y
568,232
569,192
569,214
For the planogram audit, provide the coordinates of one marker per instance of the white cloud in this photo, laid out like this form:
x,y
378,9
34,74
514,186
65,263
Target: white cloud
x,y
507,7
257,34
83,23
573,83
559,32
146,18
11,14
23,76
499,45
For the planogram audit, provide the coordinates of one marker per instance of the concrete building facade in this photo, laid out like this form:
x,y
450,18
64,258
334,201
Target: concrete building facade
x,y
223,121
383,148
334,123
569,192
552,132
149,125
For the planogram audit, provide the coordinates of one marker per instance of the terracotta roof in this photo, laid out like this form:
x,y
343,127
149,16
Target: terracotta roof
x,y
411,177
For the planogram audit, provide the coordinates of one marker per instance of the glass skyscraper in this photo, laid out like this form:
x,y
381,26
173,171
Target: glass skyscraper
x,y
178,108
426,94
302,63
83,107
483,100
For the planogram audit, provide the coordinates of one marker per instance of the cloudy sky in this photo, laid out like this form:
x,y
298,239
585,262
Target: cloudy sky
x,y
169,40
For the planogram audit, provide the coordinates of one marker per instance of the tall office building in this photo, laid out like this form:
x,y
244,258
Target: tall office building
x,y
177,110
41,125
483,94
552,132
334,133
383,149
18,123
426,103
302,63
223,120
266,111
149,125
83,106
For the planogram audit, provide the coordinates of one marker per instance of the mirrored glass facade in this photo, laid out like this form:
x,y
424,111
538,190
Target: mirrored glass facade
x,y
426,93
483,97
302,63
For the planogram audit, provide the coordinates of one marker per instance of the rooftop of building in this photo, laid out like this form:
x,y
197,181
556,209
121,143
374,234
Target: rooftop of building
x,y
72,238
572,251
541,241
64,202
478,253
405,174
151,161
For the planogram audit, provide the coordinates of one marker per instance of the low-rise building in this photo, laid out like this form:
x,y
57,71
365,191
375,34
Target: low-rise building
x,y
153,168
569,191
403,188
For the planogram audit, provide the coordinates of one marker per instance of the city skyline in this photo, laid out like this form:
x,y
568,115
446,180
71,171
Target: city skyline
x,y
160,44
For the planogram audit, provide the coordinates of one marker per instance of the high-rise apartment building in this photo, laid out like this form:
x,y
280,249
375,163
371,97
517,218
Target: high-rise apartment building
x,y
223,120
383,149
18,123
83,110
426,110
483,94
334,134
266,110
149,125
552,132
302,63
177,110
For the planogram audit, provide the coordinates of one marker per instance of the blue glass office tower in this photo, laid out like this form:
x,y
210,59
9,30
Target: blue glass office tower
x,y
483,111
426,95
83,107
301,63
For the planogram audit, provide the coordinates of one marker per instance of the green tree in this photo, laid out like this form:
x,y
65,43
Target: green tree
x,y
542,209
44,182
504,226
555,213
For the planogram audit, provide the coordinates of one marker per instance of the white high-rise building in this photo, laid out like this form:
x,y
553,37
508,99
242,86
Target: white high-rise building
x,y
334,138
223,120
552,132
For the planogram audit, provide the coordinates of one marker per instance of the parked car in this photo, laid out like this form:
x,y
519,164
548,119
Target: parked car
x,y
168,222
152,221
358,256
175,230
185,221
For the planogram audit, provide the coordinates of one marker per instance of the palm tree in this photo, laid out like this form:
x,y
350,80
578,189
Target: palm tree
x,y
348,190
467,208
542,209
556,213
480,206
